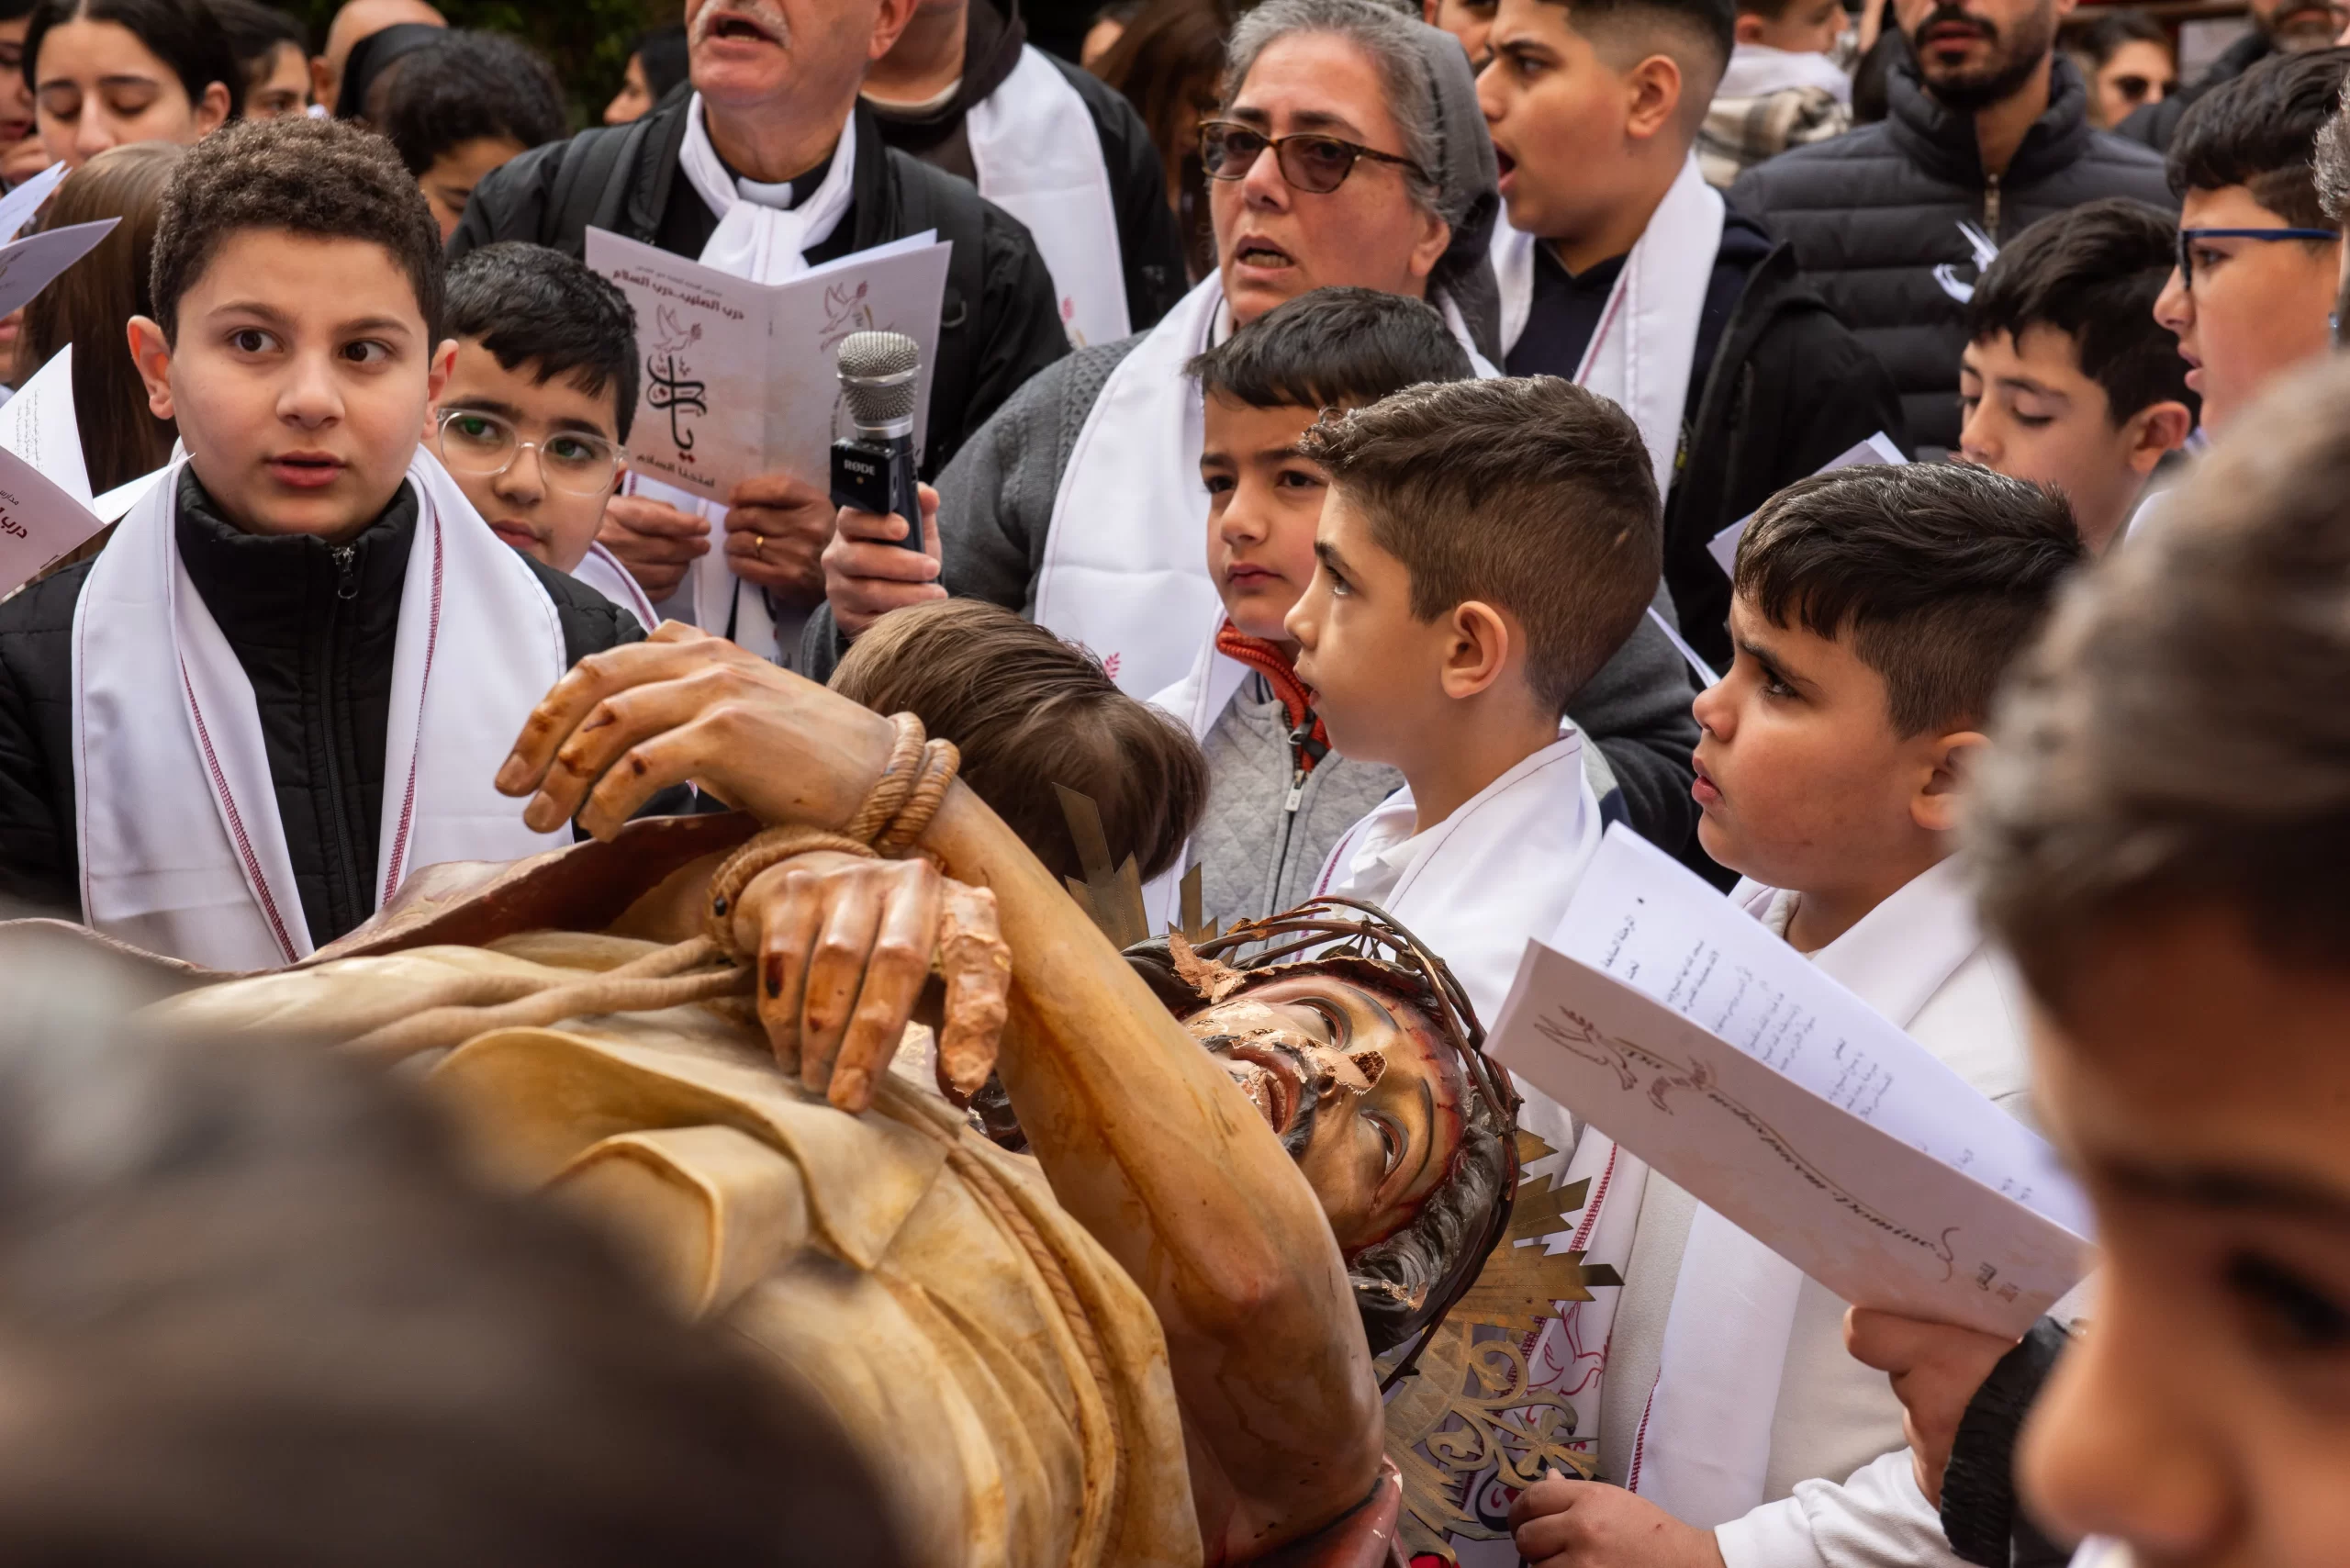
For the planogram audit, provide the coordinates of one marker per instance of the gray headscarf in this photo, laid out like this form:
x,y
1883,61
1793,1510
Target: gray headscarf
x,y
1433,96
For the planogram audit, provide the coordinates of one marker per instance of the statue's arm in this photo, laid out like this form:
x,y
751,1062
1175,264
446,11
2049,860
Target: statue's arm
x,y
1145,1140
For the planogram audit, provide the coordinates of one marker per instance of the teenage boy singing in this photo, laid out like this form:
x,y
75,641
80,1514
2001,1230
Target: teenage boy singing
x,y
1875,610
2067,379
288,679
1621,268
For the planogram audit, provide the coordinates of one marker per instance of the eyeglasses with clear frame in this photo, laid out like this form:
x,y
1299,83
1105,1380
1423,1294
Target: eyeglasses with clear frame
x,y
483,445
1309,162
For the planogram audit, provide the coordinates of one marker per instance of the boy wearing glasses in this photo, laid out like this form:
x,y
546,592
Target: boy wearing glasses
x,y
1625,272
2258,261
289,679
542,395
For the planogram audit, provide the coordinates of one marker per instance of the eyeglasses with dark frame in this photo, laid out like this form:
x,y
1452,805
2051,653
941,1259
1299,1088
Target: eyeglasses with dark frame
x,y
483,445
1309,161
2186,238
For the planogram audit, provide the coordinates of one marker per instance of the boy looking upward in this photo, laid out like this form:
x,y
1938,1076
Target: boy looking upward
x,y
1483,548
284,683
2067,379
538,404
1281,794
2259,260
1875,611
1624,271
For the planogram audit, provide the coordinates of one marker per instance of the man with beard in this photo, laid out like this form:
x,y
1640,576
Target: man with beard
x,y
2279,26
769,168
1055,146
1986,132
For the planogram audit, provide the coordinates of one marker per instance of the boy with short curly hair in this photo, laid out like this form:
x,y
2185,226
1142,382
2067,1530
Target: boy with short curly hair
x,y
288,681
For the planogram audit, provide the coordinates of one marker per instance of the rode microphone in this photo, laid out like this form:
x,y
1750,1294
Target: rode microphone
x,y
875,470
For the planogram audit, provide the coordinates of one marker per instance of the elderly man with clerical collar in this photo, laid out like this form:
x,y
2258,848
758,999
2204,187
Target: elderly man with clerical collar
x,y
769,167
1349,150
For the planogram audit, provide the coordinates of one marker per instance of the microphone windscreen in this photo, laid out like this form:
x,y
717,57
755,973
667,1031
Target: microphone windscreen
x,y
878,372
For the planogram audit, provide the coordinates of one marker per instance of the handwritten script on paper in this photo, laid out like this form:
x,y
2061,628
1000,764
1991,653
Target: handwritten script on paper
x,y
738,376
1875,1220
1644,919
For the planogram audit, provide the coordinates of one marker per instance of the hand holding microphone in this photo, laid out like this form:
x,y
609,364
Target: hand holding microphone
x,y
879,559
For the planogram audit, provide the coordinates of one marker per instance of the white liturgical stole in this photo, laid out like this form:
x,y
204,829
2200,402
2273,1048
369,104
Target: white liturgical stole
x,y
1704,1446
1639,356
764,240
1039,157
183,851
1125,568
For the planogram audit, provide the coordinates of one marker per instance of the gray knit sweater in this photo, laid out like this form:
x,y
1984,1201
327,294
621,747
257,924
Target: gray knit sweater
x,y
995,510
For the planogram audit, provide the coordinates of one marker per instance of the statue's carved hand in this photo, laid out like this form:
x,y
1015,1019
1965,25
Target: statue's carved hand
x,y
843,947
626,724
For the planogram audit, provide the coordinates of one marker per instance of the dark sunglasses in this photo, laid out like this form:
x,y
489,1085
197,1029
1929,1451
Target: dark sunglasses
x,y
1309,163
2186,238
2138,89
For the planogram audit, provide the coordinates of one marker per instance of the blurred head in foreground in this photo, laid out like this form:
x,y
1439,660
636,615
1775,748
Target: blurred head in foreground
x,y
252,1313
2163,830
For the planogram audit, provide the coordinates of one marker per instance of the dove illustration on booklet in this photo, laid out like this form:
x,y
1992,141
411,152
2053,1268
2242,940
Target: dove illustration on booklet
x,y
739,377
1666,1018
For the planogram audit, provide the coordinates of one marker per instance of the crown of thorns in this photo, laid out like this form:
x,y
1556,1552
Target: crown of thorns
x,y
1336,934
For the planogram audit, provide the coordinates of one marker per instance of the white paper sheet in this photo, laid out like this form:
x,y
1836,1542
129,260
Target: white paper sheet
x,y
17,208
45,509
38,425
1642,917
1873,1219
1877,451
739,377
30,266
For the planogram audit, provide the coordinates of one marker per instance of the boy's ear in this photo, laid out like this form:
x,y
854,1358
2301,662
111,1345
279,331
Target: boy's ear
x,y
2157,429
212,109
151,353
1653,96
444,365
1477,648
1936,806
1748,28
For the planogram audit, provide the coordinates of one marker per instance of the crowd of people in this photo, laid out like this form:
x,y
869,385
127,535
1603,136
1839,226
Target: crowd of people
x,y
1882,457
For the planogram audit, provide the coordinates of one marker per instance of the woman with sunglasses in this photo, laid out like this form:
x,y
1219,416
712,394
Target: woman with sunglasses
x,y
1348,150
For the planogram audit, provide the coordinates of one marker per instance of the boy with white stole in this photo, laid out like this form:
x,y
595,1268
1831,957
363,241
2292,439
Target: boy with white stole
x,y
1875,610
1485,547
288,679
1623,270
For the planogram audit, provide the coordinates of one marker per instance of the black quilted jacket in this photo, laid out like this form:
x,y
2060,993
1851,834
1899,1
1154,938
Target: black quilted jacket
x,y
1873,217
314,633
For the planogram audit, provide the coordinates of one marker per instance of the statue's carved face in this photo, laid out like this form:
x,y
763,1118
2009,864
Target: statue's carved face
x,y
1358,1086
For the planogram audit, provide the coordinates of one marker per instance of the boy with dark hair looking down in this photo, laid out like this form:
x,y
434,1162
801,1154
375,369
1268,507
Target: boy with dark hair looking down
x,y
1624,271
284,683
2067,379
1875,610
